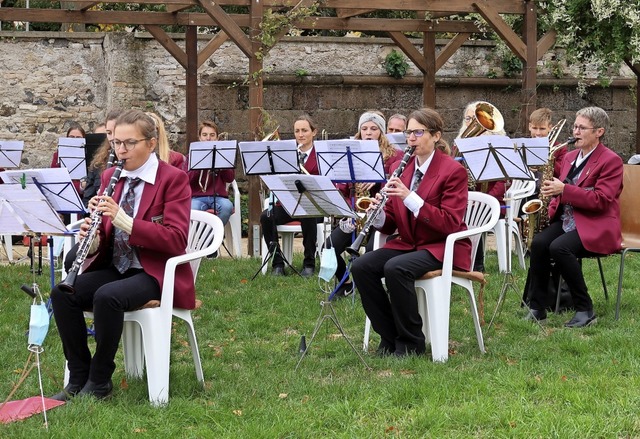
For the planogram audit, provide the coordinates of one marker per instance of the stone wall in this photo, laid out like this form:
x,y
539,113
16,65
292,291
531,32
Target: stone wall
x,y
51,79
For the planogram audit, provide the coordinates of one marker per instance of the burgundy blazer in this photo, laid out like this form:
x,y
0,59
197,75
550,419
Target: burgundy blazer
x,y
558,157
160,229
444,189
595,200
178,160
311,165
216,185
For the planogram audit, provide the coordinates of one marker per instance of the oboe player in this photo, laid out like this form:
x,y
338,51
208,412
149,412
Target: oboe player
x,y
144,224
425,203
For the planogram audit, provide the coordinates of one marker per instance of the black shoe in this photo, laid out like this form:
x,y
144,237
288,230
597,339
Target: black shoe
x,y
278,271
345,290
581,319
407,351
68,392
385,349
536,314
307,272
99,391
213,255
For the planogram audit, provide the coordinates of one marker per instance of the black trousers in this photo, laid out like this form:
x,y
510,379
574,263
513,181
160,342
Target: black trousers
x,y
309,234
109,294
564,248
393,314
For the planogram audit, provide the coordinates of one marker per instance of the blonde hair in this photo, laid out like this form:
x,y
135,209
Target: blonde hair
x,y
163,141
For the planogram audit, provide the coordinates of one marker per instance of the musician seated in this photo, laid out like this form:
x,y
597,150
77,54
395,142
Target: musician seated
x,y
305,131
423,216
584,217
144,223
371,126
209,188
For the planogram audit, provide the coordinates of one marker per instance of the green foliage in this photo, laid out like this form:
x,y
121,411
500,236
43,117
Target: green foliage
x,y
274,23
396,64
596,34
511,65
301,72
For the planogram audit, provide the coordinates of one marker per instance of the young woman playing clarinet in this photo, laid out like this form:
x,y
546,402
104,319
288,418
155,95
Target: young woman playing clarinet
x,y
426,203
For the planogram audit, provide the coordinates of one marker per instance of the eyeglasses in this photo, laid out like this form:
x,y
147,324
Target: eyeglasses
x,y
417,133
581,128
468,119
128,144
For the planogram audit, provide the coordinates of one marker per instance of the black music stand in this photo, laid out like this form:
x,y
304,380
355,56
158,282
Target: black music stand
x,y
312,196
350,161
271,158
210,157
492,158
535,150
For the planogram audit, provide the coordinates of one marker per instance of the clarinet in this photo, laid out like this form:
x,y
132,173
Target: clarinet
x,y
354,250
67,285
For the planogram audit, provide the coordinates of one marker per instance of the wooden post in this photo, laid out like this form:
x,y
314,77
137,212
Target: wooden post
x,y
429,79
256,97
191,46
529,98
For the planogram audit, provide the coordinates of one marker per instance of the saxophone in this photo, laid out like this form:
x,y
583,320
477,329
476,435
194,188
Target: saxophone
x,y
537,210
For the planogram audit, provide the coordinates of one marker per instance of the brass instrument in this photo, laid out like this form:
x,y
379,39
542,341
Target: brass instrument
x,y
303,170
354,249
273,135
67,285
486,118
537,210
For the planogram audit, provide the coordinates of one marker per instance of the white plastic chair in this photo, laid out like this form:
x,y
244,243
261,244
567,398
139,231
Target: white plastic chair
x,y
146,336
518,191
233,228
434,288
8,245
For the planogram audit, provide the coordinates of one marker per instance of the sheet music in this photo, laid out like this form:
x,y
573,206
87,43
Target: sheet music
x,y
27,210
491,158
399,140
11,153
71,155
320,198
349,160
212,155
270,157
535,150
54,183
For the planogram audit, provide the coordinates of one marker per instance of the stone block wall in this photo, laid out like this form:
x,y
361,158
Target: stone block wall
x,y
51,79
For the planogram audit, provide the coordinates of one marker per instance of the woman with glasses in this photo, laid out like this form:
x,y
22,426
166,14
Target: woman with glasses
x,y
144,223
371,126
584,215
209,188
425,204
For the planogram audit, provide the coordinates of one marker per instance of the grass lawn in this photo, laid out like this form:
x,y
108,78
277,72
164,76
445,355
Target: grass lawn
x,y
556,384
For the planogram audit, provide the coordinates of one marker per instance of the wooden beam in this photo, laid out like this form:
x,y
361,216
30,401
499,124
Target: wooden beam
x,y
165,40
210,48
177,8
452,46
635,68
502,29
410,50
429,80
529,73
228,25
545,43
191,47
346,13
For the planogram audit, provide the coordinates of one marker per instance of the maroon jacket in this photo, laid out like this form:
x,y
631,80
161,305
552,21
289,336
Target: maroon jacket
x,y
160,229
595,200
444,189
216,183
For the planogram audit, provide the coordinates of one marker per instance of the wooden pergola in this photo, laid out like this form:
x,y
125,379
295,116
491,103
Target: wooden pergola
x,y
244,30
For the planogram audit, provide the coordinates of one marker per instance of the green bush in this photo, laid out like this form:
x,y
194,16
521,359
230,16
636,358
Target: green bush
x,y
396,64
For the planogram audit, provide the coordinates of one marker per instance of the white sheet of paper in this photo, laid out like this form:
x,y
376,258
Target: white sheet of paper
x,y
535,150
54,183
73,158
11,153
201,155
270,157
27,210
399,140
363,164
320,198
491,158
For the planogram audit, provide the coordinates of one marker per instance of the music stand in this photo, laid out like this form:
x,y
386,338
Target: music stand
x,y
211,156
10,157
535,150
270,158
350,161
399,140
492,158
71,155
312,196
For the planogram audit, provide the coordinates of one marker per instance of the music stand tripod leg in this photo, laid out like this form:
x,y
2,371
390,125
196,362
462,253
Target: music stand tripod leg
x,y
274,248
334,318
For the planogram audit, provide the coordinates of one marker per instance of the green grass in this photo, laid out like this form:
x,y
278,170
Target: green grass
x,y
555,384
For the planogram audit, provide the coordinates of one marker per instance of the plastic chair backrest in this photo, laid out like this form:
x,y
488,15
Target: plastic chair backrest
x,y
630,207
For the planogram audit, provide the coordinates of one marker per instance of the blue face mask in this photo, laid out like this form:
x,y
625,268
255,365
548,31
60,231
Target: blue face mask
x,y
328,264
38,324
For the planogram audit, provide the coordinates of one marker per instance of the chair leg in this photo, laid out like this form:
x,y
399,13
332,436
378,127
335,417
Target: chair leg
x,y
157,362
132,347
620,274
476,317
558,294
438,303
193,342
604,284
367,332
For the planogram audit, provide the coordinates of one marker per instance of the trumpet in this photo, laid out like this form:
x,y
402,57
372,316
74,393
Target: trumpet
x,y
486,117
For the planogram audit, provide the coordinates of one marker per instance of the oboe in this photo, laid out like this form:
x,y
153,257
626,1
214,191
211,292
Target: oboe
x,y
354,250
67,285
